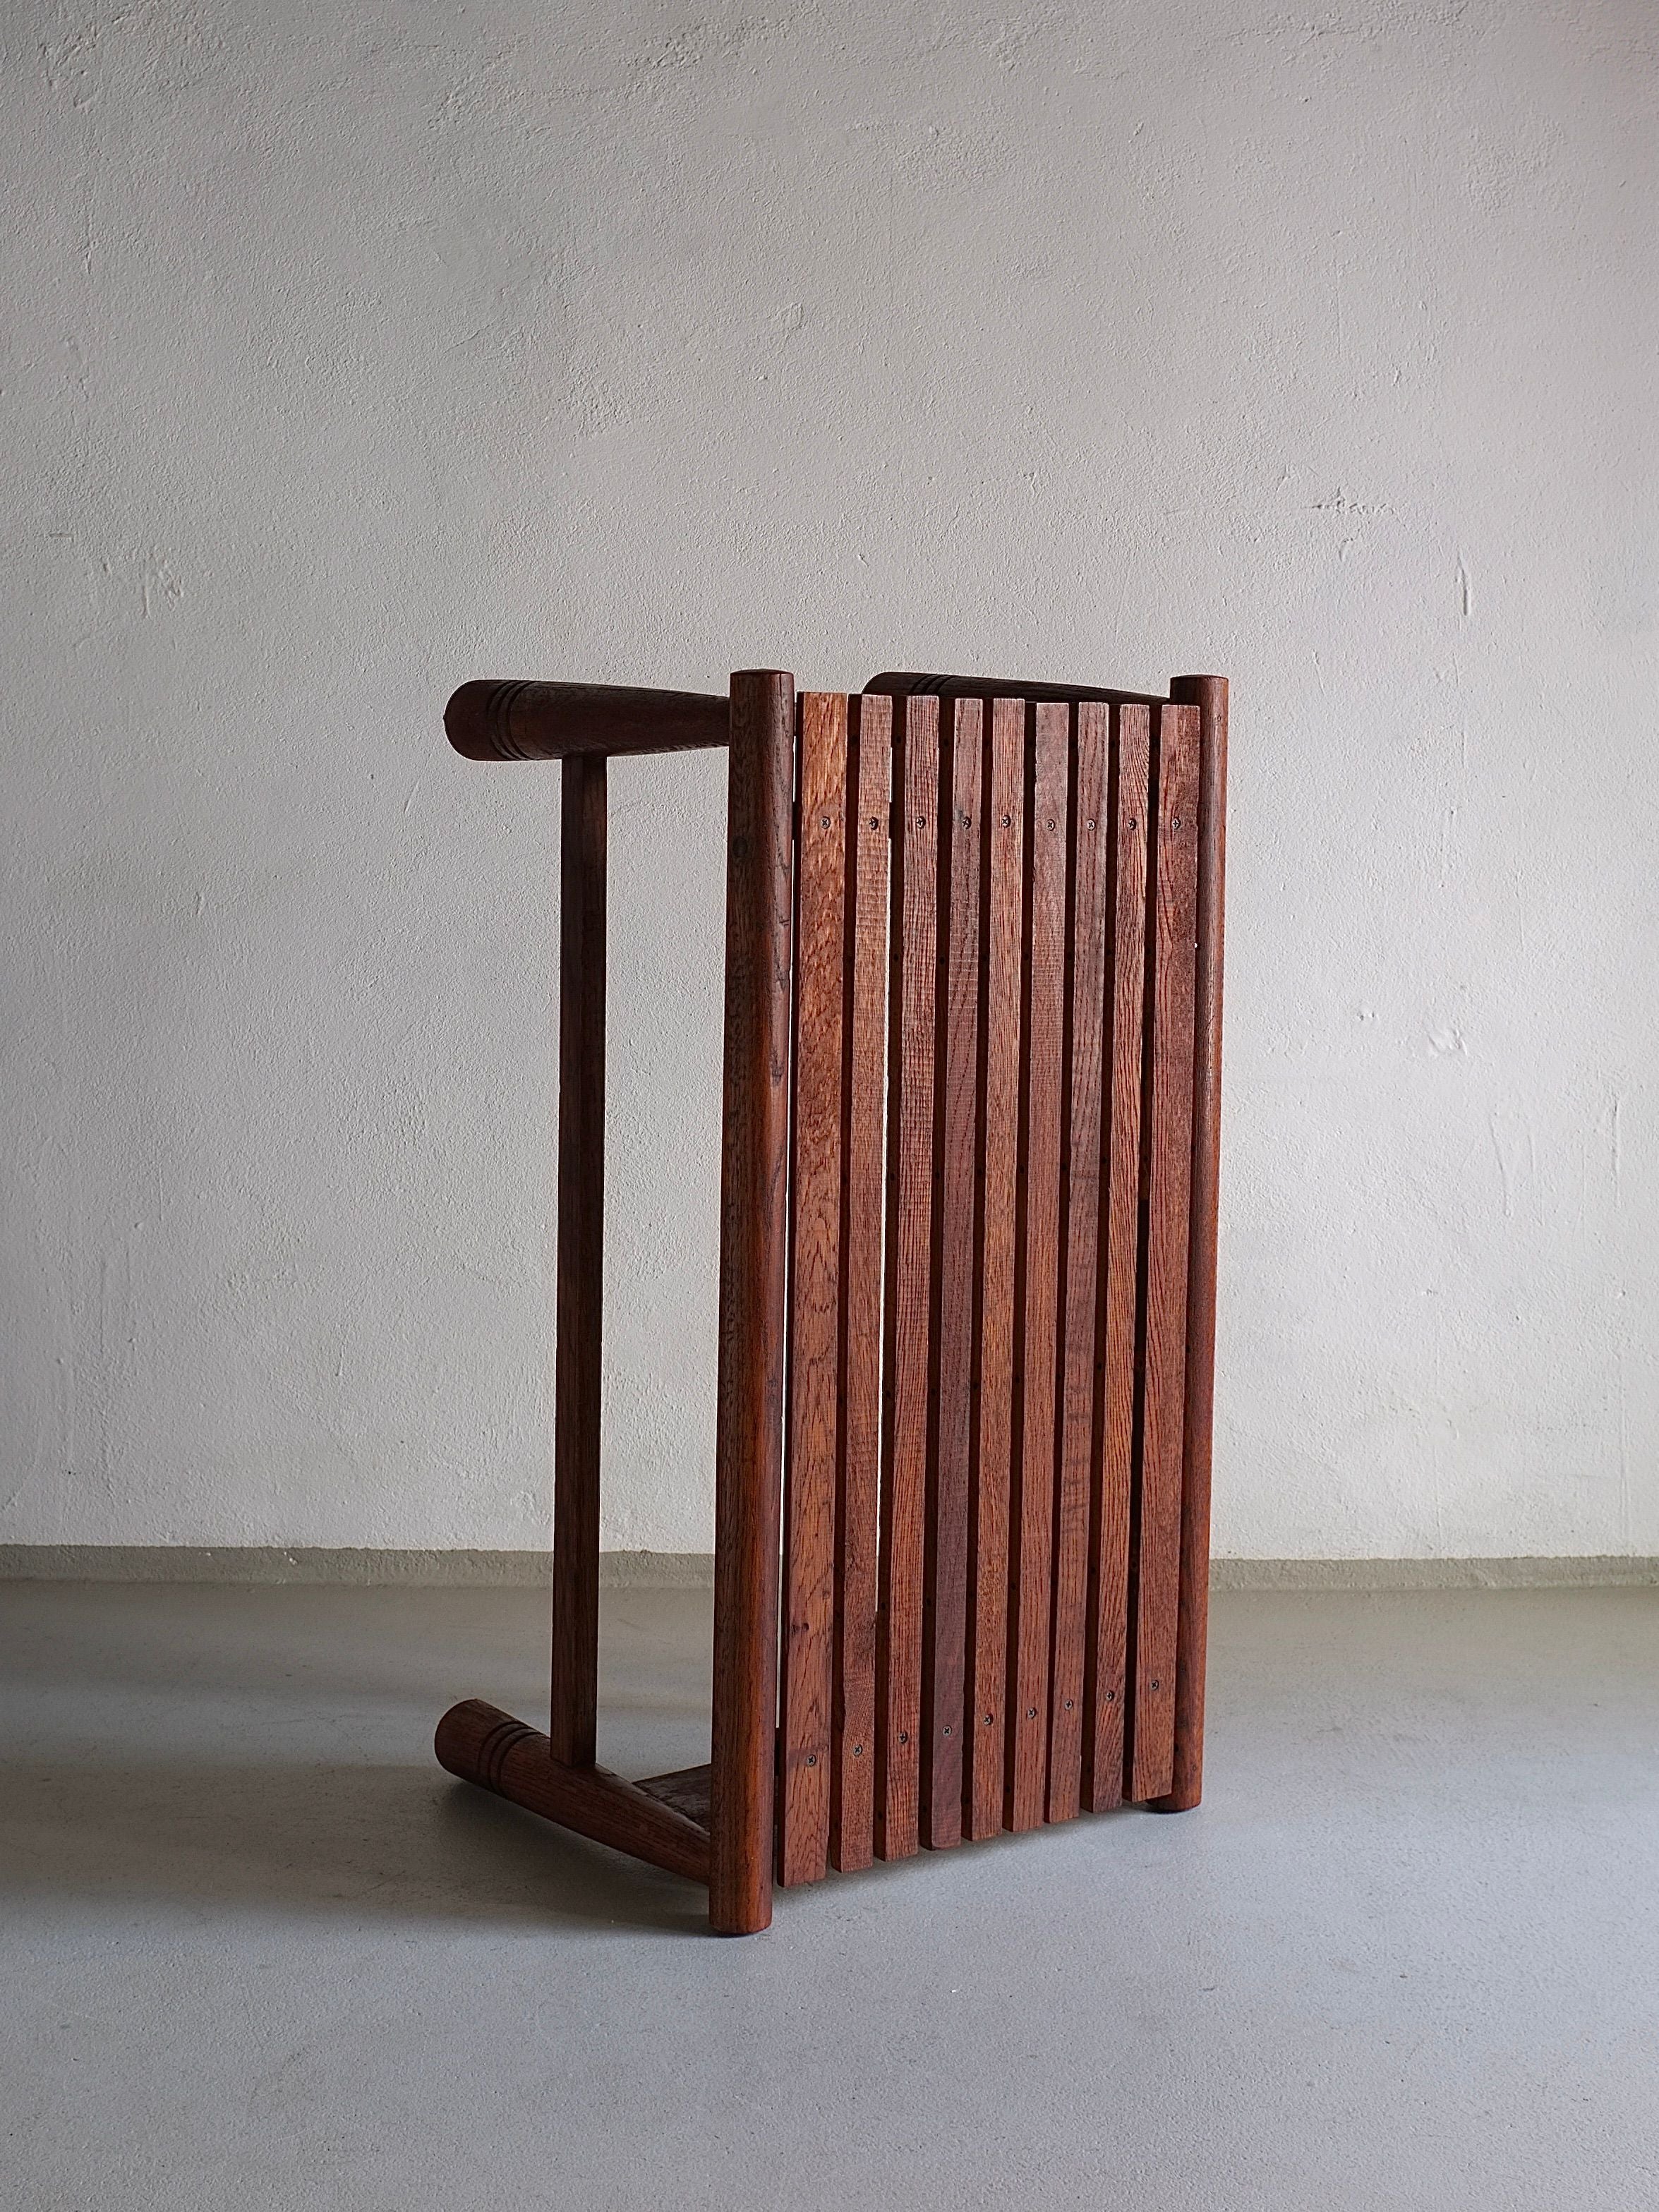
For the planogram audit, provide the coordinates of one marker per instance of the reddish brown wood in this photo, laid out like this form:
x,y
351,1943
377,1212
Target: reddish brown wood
x,y
492,720
687,1790
481,1744
577,1371
863,1207
1000,1046
807,1675
956,1193
907,683
910,1248
1169,1167
1031,1512
1119,1267
1086,933
749,1392
1209,695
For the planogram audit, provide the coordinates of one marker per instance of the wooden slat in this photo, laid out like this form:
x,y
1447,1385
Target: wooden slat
x,y
1001,1030
864,1187
1086,938
686,1791
1032,1514
945,1612
749,1386
577,1354
910,1136
1157,1515
806,1670
1209,695
1108,1571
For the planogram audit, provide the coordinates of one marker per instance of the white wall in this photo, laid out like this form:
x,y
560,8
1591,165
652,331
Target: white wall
x,y
351,351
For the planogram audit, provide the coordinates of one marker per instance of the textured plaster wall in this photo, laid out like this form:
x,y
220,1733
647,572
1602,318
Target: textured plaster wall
x,y
351,350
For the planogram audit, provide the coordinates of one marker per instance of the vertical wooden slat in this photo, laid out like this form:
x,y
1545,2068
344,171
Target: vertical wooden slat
x,y
749,1391
1158,1520
1032,1511
909,1348
1109,1571
957,1125
864,1186
578,1342
1209,695
1085,1012
807,1670
1001,1052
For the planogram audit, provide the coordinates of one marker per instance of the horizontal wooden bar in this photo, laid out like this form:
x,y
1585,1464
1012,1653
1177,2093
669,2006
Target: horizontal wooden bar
x,y
492,720
479,1743
907,683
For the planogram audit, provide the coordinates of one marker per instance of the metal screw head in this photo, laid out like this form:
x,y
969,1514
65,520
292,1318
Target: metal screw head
x,y
1048,825
811,1759
1175,822
1158,1685
904,1735
1068,1704
1007,821
1111,1696
988,1720
858,1750
1134,824
824,821
1030,1712
947,1731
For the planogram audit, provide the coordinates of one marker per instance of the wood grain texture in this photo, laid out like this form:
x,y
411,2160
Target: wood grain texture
x,y
1087,935
910,683
1157,1564
956,1196
1106,1691
1001,1031
749,1392
688,1790
581,1262
1208,694
1031,1517
492,720
479,1743
909,1361
863,1209
807,1667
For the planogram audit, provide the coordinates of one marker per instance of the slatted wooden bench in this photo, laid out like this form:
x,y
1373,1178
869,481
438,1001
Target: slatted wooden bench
x,y
967,1287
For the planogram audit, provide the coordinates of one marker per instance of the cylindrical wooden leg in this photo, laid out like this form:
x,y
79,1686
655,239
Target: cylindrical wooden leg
x,y
749,1448
581,1262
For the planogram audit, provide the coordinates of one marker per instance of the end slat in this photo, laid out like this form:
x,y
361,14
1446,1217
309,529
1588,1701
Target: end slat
x,y
1157,1525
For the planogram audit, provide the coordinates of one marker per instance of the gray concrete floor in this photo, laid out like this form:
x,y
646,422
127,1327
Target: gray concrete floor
x,y
260,1952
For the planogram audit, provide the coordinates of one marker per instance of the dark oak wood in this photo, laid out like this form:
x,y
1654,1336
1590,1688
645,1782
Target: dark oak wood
x,y
1001,1032
1106,1689
1209,695
1086,931
1031,1514
481,1744
749,1391
492,720
581,1265
910,1348
1156,1564
863,1211
807,1677
957,1127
